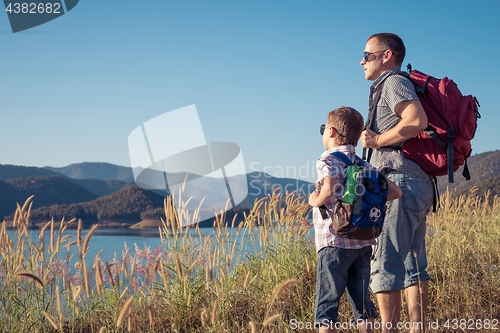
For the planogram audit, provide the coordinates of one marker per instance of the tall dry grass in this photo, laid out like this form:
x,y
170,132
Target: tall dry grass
x,y
201,283
208,283
464,259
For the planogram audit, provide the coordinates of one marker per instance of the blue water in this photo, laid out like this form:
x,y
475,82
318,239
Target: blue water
x,y
112,242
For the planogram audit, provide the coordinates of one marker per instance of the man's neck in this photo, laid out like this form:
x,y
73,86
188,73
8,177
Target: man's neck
x,y
382,77
389,69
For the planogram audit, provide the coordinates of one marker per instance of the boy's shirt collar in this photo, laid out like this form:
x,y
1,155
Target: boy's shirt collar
x,y
347,149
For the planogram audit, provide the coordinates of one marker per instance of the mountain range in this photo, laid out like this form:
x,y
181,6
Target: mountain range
x,y
95,170
482,166
63,192
106,193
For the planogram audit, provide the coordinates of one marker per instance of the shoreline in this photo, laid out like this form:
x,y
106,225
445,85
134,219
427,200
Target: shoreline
x,y
103,225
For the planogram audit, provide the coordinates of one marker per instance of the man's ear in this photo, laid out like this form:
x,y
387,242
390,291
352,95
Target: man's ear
x,y
388,56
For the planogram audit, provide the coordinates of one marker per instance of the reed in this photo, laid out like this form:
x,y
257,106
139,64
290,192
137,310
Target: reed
x,y
261,281
32,277
85,248
124,312
271,319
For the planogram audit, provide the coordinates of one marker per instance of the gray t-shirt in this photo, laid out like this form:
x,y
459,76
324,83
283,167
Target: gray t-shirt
x,y
396,89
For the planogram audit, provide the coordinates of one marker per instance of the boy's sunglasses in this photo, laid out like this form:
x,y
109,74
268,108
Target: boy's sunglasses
x,y
367,54
323,127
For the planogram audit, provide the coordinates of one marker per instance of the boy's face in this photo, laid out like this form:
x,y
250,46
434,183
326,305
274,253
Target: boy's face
x,y
328,136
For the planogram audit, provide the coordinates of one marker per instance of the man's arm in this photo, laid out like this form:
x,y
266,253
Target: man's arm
x,y
413,120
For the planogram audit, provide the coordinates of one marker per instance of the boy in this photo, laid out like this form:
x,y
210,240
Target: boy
x,y
343,263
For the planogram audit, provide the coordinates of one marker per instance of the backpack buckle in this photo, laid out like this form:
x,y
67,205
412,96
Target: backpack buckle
x,y
408,68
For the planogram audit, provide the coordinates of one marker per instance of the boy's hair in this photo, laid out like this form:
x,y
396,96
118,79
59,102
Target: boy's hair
x,y
349,124
389,41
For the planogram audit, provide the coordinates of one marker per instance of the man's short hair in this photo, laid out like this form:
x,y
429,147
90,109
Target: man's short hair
x,y
389,41
349,124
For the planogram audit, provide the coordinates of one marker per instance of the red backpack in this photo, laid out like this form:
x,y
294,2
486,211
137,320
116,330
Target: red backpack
x,y
444,145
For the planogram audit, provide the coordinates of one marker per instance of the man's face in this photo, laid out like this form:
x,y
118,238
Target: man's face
x,y
373,66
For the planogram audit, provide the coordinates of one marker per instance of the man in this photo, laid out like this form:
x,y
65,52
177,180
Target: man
x,y
399,258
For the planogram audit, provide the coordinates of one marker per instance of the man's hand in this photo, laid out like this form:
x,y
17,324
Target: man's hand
x,y
369,139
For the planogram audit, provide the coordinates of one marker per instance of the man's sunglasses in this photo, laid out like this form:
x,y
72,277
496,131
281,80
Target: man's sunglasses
x,y
367,54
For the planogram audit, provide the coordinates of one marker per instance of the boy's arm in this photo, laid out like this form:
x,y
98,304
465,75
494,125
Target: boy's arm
x,y
316,198
394,191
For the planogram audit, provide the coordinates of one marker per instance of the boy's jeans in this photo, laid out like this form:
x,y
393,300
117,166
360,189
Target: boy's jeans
x,y
340,269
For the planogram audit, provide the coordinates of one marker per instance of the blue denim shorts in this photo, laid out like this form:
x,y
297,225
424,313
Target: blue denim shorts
x,y
399,256
340,269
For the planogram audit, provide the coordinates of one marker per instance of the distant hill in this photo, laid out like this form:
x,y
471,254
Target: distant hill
x,y
130,204
491,184
482,166
97,170
96,186
50,189
102,188
124,206
9,197
74,191
47,191
261,184
8,171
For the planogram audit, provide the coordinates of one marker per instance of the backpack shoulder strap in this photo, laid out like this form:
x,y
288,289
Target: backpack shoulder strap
x,y
373,101
358,160
342,157
375,98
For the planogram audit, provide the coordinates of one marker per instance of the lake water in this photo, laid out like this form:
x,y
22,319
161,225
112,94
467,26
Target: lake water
x,y
112,241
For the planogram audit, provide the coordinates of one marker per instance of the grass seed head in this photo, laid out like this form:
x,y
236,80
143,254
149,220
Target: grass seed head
x,y
271,319
253,328
124,312
87,240
282,287
214,312
33,277
178,265
51,320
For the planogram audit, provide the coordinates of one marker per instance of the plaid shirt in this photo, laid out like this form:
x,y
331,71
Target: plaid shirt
x,y
324,234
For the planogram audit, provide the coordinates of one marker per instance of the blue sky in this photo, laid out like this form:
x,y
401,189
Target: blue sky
x,y
262,74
